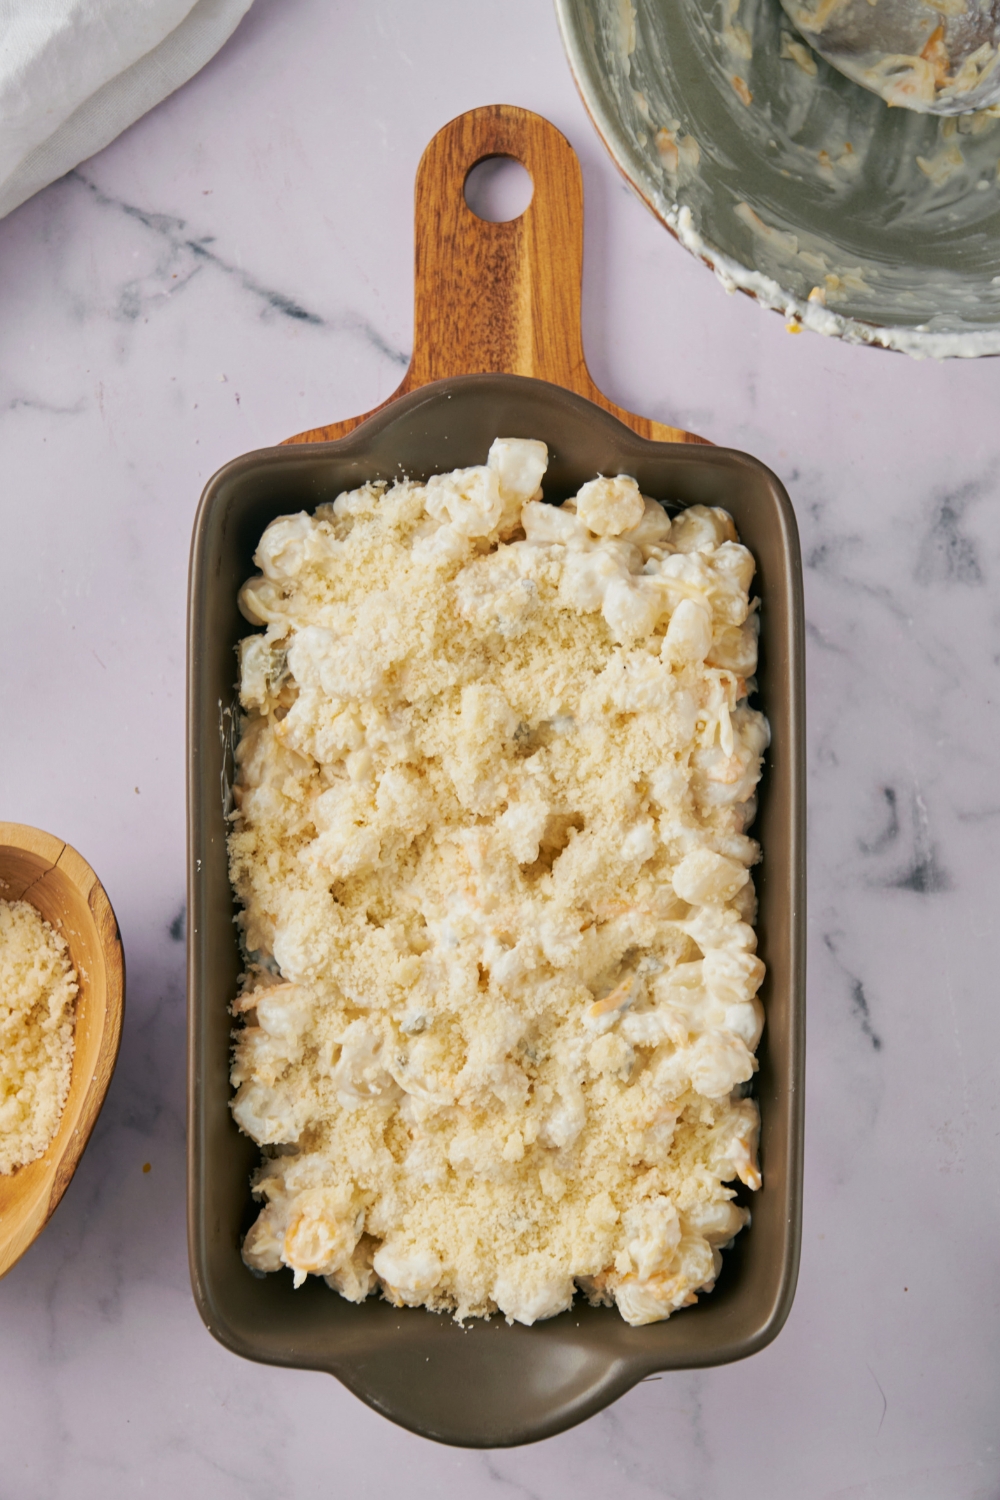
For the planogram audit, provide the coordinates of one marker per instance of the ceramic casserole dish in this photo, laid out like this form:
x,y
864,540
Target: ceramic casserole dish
x,y
489,1384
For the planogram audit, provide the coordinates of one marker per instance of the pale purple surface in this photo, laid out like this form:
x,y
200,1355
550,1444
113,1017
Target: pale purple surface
x,y
143,345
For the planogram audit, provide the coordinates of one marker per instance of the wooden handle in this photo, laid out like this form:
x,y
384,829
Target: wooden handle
x,y
500,298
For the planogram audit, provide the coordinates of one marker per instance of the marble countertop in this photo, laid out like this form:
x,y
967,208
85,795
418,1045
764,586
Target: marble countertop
x,y
236,268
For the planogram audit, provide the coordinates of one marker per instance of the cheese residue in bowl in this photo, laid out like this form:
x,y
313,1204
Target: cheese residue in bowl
x,y
38,987
494,779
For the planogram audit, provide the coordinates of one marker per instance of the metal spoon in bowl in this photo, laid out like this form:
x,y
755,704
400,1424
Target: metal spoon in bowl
x,y
939,57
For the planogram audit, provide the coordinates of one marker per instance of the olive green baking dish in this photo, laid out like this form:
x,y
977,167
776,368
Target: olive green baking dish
x,y
490,1384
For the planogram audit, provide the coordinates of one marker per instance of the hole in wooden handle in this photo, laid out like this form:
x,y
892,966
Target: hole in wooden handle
x,y
498,189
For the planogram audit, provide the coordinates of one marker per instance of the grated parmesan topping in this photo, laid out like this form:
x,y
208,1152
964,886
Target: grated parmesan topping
x,y
37,994
499,1012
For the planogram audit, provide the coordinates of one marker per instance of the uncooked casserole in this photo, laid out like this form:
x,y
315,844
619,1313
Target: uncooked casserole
x,y
496,770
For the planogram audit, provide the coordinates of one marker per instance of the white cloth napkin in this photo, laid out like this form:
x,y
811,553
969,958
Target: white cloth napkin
x,y
76,73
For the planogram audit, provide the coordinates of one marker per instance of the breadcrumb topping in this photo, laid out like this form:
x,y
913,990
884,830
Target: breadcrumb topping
x,y
494,779
38,990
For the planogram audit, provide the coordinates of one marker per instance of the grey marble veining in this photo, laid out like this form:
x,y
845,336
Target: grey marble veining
x,y
236,268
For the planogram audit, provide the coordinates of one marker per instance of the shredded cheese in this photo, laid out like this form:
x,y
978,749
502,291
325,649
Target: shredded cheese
x,y
38,987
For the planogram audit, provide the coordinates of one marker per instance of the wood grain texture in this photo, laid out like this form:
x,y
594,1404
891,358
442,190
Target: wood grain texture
x,y
54,878
499,298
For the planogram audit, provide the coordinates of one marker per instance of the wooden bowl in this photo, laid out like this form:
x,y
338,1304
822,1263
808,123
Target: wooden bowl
x,y
41,869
